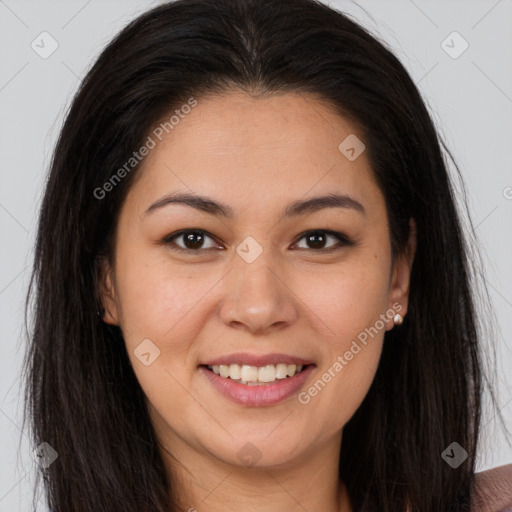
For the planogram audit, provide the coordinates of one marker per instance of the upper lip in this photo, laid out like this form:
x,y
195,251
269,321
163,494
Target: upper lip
x,y
256,360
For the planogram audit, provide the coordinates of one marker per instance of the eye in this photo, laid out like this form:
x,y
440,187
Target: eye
x,y
317,240
193,240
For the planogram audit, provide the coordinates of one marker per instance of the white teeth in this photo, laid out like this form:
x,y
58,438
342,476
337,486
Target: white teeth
x,y
249,373
282,371
267,373
235,371
291,370
254,375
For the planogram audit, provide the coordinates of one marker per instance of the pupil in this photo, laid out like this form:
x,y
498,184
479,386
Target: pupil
x,y
316,240
191,243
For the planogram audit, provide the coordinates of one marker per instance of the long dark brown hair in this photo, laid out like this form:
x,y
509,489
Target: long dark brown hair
x,y
82,396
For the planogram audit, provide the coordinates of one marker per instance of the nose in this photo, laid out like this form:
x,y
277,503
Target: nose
x,y
258,298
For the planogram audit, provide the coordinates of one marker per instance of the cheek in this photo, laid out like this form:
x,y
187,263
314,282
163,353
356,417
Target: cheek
x,y
155,299
347,299
161,305
349,303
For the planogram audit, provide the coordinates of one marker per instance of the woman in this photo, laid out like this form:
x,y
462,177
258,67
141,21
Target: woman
x,y
251,283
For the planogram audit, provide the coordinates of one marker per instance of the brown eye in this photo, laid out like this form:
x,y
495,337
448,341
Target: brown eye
x,y
192,240
318,239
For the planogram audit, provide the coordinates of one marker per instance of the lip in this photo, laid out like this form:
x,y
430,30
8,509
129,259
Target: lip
x,y
258,396
256,360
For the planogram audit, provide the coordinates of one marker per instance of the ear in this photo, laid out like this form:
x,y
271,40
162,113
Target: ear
x,y
401,275
107,291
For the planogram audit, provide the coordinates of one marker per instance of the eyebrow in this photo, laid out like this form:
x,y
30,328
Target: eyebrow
x,y
208,205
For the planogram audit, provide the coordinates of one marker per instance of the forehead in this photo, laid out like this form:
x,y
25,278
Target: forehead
x,y
247,147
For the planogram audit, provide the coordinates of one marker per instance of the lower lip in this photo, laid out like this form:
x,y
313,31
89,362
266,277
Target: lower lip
x,y
261,395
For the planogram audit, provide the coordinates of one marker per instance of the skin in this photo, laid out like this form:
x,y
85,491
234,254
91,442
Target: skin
x,y
256,155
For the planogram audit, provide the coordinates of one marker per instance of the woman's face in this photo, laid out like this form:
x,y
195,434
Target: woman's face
x,y
252,288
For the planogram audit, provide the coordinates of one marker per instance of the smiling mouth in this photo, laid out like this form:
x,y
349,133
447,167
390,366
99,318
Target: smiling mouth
x,y
257,375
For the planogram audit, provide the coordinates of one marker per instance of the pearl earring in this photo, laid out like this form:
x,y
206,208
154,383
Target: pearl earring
x,y
398,319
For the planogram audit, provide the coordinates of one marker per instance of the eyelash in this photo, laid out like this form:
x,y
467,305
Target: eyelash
x,y
343,240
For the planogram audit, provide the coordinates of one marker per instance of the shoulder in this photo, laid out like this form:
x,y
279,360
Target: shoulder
x,y
492,490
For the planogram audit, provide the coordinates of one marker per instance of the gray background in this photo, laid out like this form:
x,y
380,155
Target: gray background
x,y
469,96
